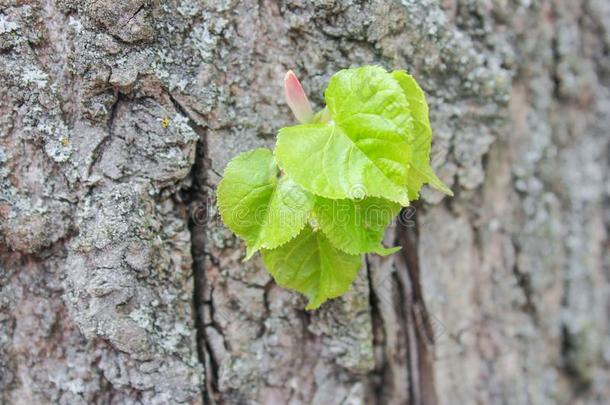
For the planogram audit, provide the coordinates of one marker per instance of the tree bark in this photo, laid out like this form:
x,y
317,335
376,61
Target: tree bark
x,y
119,283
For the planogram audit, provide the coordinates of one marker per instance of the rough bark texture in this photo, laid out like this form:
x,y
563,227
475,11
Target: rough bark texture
x,y
120,285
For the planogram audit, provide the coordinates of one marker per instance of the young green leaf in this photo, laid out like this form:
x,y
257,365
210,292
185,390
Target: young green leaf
x,y
420,171
326,161
262,209
363,148
356,226
311,265
346,170
368,99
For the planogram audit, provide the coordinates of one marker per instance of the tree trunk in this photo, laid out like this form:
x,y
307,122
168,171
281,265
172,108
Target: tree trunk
x,y
119,284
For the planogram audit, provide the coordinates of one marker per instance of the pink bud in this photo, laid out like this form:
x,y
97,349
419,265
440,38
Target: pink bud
x,y
297,99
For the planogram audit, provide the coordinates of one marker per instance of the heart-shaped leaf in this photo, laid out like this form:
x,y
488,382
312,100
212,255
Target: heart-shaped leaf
x,y
311,265
263,209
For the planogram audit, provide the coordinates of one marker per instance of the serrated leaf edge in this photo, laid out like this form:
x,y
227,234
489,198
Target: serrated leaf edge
x,y
251,250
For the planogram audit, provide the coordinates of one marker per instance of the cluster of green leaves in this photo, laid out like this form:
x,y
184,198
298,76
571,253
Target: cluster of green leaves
x,y
326,195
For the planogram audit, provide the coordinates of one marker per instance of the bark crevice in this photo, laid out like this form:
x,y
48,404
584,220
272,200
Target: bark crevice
x,y
198,199
419,331
378,376
97,152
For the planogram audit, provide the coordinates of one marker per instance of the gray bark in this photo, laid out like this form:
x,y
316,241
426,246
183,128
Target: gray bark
x,y
119,284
